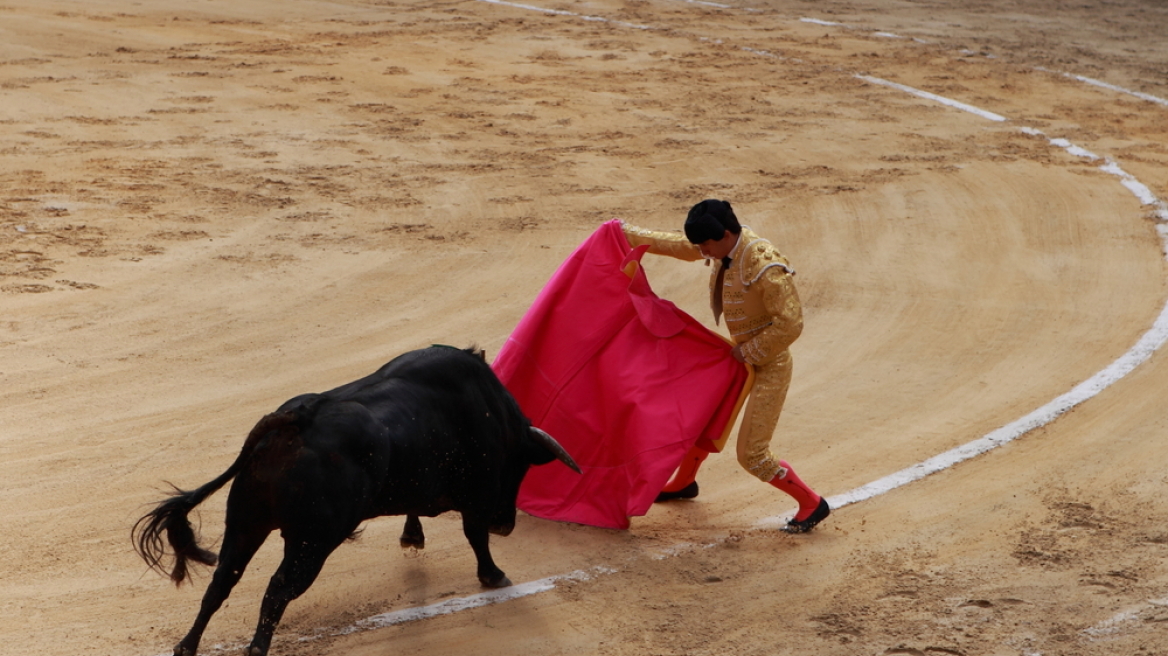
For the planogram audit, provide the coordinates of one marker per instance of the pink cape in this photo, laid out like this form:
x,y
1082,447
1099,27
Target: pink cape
x,y
624,380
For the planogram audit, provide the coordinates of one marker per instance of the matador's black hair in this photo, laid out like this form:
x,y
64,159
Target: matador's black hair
x,y
710,219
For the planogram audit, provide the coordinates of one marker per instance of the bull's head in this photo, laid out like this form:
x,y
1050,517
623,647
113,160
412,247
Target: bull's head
x,y
540,450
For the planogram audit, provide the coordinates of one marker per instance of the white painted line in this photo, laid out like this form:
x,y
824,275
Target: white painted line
x,y
1137,355
1110,87
763,53
562,12
473,601
1138,189
1073,149
934,97
709,4
542,10
1120,621
816,21
1061,143
1111,626
882,35
1081,78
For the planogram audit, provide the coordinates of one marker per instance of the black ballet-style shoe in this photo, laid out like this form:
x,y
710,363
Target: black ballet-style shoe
x,y
821,512
688,492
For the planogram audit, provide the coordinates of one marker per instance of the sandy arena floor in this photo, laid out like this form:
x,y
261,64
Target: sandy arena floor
x,y
207,207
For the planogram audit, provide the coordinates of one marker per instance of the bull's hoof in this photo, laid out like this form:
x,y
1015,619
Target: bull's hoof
x,y
180,650
501,529
500,581
413,542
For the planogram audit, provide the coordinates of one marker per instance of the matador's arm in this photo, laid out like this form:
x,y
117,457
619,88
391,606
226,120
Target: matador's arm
x,y
673,244
782,303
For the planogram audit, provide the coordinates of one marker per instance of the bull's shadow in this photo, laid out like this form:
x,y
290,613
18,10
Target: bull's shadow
x,y
432,431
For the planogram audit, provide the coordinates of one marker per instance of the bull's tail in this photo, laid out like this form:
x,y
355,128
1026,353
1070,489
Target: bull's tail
x,y
170,516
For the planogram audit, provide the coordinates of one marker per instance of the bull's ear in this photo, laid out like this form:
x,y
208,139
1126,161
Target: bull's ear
x,y
560,453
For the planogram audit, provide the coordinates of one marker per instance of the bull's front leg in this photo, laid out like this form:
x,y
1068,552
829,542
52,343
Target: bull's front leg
x,y
504,522
412,536
475,531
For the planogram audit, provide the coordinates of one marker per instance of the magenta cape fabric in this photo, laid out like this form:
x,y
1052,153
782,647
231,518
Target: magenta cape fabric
x,y
624,380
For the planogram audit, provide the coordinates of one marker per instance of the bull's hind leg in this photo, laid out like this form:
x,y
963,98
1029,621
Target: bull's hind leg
x,y
302,563
412,536
239,546
476,534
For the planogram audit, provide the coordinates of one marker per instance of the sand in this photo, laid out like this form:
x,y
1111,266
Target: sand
x,y
207,207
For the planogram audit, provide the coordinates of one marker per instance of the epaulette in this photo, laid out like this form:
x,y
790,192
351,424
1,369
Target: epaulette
x,y
762,255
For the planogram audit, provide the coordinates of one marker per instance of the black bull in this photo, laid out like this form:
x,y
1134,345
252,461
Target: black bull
x,y
434,430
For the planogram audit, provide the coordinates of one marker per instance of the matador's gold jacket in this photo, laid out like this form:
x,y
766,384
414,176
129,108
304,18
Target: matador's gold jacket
x,y
763,312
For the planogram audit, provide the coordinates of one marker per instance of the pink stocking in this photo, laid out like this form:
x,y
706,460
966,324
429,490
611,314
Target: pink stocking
x,y
687,471
792,485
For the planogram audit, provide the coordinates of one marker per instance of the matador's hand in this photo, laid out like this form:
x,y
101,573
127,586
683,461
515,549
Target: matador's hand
x,y
737,353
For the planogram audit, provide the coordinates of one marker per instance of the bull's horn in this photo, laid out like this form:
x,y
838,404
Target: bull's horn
x,y
554,446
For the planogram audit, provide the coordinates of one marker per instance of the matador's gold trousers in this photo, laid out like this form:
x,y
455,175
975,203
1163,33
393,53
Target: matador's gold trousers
x,y
771,382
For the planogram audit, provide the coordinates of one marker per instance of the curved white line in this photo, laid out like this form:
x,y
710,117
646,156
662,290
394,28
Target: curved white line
x,y
473,601
934,97
1152,340
562,12
1110,87
1082,78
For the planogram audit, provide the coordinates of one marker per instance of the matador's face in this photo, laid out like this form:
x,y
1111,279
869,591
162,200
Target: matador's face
x,y
717,249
